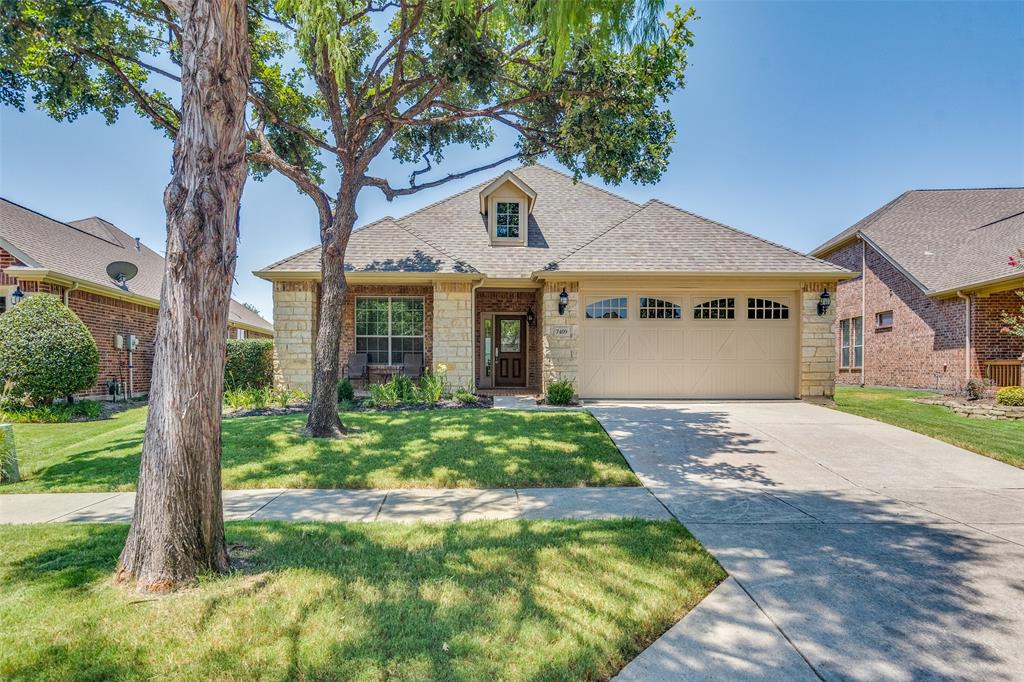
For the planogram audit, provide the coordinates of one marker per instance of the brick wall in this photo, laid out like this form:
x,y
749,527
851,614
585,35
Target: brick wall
x,y
106,317
348,322
925,346
6,261
512,301
988,342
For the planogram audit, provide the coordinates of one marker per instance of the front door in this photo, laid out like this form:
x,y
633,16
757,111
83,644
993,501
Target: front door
x,y
510,355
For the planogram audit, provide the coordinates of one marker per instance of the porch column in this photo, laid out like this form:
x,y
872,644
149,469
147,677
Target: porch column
x,y
453,331
294,322
817,343
561,334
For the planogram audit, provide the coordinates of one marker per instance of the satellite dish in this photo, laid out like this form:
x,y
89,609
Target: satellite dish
x,y
121,271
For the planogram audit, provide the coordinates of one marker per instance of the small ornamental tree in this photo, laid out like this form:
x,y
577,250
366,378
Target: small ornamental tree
x,y
1015,321
46,351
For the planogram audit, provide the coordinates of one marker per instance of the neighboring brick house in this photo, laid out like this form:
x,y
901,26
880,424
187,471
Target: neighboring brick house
x,y
531,277
42,255
926,311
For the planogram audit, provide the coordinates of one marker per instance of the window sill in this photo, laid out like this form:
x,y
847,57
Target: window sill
x,y
883,329
851,369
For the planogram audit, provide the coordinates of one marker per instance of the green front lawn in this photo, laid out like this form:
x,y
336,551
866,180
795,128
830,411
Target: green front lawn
x,y
999,439
427,449
510,600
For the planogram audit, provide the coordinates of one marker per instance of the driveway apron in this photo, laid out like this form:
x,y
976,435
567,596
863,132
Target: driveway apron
x,y
874,553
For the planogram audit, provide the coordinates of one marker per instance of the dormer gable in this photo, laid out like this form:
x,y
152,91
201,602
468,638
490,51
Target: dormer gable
x,y
507,203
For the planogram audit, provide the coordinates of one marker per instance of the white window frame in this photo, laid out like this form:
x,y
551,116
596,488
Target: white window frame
x,y
522,227
390,336
848,345
591,300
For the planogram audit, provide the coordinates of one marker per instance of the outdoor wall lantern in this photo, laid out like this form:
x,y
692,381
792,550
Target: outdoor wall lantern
x,y
531,319
17,295
563,301
824,301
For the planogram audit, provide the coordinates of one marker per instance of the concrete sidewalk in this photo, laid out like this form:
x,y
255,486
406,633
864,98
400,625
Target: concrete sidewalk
x,y
405,506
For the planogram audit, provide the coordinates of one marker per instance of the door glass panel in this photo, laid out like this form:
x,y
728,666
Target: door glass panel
x,y
488,347
510,336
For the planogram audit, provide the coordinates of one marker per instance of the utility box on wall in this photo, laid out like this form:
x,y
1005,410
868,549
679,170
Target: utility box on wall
x,y
133,342
118,342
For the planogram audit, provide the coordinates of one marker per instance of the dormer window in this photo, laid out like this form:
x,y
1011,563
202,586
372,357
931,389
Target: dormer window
x,y
506,204
507,219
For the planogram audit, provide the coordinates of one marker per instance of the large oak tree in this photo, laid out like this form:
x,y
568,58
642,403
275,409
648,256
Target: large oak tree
x,y
178,527
339,83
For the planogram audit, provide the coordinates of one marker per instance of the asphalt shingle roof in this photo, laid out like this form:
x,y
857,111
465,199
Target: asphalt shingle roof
x,y
946,238
573,226
82,249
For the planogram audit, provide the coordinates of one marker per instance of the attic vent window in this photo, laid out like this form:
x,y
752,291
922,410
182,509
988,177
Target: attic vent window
x,y
507,219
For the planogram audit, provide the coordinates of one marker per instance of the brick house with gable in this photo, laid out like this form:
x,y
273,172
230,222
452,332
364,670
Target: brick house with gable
x,y
41,255
926,310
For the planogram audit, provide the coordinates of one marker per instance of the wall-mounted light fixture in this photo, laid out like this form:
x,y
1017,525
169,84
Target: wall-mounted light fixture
x,y
17,295
563,301
531,319
824,301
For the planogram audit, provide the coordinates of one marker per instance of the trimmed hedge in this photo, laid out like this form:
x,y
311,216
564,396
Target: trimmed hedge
x,y
250,364
46,351
561,392
1012,396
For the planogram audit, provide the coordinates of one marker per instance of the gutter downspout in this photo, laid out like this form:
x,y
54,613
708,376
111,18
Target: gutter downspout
x,y
68,291
967,336
863,313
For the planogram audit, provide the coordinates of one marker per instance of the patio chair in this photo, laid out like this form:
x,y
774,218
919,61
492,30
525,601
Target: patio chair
x,y
412,365
358,367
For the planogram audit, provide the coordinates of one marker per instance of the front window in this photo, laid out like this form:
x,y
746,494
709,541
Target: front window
x,y
388,327
659,309
715,309
507,217
607,309
851,343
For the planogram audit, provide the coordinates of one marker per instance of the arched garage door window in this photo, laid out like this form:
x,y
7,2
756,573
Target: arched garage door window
x,y
608,309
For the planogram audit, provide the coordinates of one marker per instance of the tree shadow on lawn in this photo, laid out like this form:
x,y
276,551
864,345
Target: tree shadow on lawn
x,y
464,448
518,600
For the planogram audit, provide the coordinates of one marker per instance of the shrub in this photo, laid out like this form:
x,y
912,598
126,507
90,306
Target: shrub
x,y
46,350
561,392
1011,395
464,396
974,389
384,395
431,388
249,364
52,414
256,398
8,456
404,389
346,393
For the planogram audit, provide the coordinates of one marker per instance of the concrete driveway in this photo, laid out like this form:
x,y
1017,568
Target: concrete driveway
x,y
856,550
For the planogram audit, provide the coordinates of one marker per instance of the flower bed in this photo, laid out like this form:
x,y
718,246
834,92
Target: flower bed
x,y
979,409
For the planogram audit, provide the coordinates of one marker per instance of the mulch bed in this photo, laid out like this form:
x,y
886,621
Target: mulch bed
x,y
359,406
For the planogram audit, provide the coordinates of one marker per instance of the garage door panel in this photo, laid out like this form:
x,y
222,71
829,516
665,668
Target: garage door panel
x,y
643,344
691,358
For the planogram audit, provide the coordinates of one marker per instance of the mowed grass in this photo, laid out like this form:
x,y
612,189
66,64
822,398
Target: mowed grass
x,y
999,439
425,449
505,600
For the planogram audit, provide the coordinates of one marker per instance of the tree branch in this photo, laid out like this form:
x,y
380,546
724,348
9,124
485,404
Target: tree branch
x,y
392,192
265,154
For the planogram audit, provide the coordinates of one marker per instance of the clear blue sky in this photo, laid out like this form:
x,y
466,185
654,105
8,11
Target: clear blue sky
x,y
798,119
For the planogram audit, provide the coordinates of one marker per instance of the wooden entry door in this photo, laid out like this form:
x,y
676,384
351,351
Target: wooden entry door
x,y
510,350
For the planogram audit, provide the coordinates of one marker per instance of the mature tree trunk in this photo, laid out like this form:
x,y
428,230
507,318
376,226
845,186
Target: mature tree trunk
x,y
324,421
178,528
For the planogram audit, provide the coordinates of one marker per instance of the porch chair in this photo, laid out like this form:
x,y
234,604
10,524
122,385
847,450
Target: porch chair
x,y
358,367
412,365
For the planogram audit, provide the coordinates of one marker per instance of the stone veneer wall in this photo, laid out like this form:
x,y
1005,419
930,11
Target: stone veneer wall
x,y
561,353
453,331
817,343
295,314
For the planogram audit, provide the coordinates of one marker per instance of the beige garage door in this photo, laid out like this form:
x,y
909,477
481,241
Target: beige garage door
x,y
648,344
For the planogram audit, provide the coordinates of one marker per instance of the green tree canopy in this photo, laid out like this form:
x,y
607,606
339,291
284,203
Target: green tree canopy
x,y
338,83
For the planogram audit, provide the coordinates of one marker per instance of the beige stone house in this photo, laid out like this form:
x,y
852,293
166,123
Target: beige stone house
x,y
531,277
